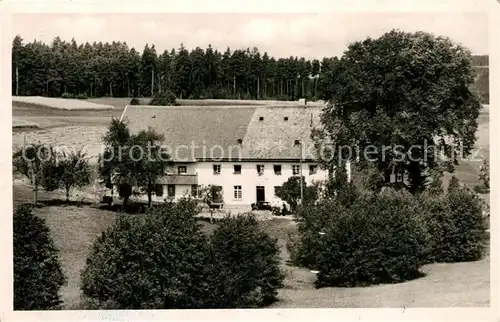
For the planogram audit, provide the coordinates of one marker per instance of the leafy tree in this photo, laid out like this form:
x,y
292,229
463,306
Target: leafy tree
x,y
114,166
38,275
404,90
211,194
149,160
36,162
290,192
73,170
132,161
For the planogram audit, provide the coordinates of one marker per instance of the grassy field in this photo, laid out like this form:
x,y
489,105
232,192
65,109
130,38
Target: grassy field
x,y
445,285
58,103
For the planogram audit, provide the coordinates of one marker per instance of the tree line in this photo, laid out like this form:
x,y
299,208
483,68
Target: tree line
x,y
117,70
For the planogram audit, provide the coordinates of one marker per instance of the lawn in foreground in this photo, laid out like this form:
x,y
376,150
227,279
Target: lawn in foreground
x,y
461,284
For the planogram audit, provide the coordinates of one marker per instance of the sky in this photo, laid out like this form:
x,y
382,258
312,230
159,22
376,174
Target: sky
x,y
280,35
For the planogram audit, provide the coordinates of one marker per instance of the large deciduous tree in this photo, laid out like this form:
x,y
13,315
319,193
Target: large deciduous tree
x,y
402,94
113,163
149,160
132,160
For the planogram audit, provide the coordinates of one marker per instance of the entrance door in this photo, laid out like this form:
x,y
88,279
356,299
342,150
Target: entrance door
x,y
261,194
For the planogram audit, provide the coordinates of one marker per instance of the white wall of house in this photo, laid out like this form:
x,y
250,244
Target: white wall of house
x,y
248,180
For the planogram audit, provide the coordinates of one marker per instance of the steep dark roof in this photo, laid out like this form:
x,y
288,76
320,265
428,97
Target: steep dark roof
x,y
216,130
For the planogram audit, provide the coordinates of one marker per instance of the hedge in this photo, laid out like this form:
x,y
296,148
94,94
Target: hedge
x,y
38,275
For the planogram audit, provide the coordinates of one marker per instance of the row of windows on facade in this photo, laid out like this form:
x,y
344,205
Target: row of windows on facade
x,y
260,169
237,192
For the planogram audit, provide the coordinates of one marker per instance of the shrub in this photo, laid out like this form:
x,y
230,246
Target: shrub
x,y
151,261
457,226
167,98
484,177
162,260
245,266
380,238
135,101
81,97
276,211
67,95
37,271
481,189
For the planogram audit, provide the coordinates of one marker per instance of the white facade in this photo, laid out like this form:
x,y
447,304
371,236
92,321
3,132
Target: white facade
x,y
239,189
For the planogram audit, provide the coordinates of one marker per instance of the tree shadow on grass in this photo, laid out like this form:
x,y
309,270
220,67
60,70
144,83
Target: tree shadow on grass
x,y
56,203
350,283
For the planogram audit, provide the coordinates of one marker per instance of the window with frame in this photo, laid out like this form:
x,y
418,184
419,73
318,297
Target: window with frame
x,y
313,168
238,192
181,169
237,169
159,190
171,190
276,189
216,168
295,169
277,169
260,169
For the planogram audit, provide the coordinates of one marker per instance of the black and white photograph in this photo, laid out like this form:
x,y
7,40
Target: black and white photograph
x,y
218,160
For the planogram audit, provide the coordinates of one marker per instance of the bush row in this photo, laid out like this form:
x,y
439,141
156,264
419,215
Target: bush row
x,y
163,260
386,237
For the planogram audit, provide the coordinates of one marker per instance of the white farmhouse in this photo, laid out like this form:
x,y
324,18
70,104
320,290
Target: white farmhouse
x,y
247,150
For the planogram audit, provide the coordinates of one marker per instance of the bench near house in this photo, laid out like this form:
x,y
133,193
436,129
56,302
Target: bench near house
x,y
247,150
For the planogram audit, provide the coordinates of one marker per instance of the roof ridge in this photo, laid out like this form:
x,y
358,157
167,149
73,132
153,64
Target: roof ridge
x,y
191,106
223,106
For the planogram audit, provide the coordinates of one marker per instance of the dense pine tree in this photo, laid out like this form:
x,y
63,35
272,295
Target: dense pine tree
x,y
116,70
